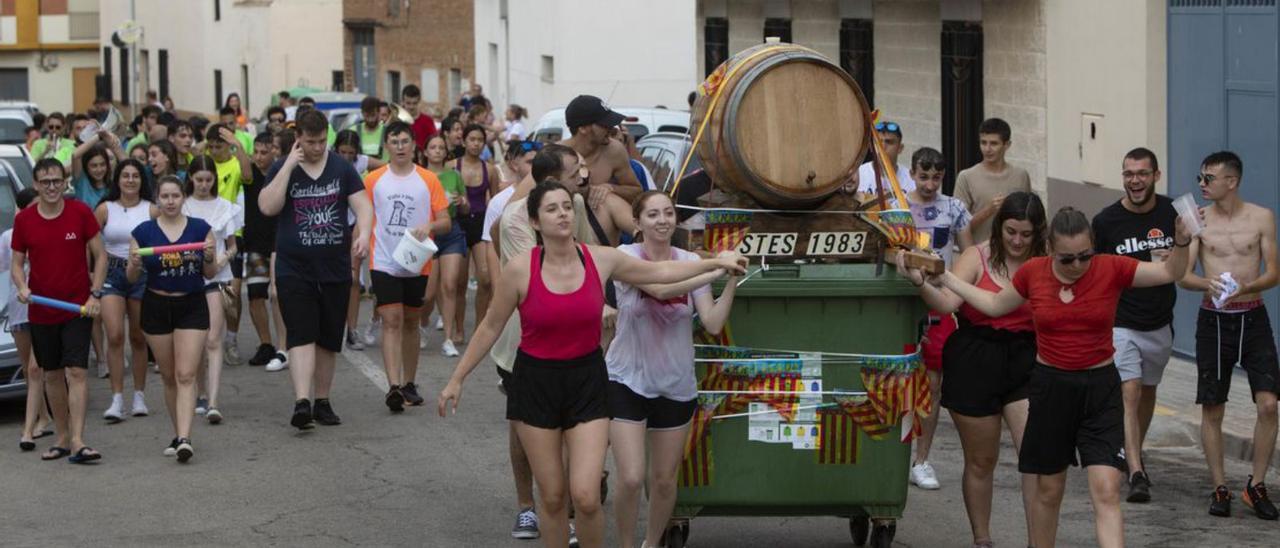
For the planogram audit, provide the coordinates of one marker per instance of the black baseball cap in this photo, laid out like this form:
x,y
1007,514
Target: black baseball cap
x,y
585,110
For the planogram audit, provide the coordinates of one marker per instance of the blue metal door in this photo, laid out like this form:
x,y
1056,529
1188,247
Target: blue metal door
x,y
1223,65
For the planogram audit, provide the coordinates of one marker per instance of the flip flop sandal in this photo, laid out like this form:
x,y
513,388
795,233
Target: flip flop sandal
x,y
83,456
43,434
55,453
27,445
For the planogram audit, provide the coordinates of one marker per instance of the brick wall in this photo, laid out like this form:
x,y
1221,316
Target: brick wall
x,y
1014,79
908,77
436,34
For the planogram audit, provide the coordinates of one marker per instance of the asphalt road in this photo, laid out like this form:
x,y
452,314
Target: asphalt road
x,y
418,480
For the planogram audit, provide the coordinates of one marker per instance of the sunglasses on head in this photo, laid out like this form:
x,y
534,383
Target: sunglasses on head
x,y
1067,260
527,146
887,126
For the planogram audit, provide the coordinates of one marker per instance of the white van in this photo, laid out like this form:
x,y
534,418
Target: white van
x,y
640,122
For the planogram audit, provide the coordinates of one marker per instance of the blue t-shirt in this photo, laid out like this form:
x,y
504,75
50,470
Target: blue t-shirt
x,y
313,239
85,192
181,272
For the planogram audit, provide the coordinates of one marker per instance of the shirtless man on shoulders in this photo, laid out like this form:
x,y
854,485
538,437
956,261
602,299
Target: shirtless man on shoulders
x,y
590,121
1238,236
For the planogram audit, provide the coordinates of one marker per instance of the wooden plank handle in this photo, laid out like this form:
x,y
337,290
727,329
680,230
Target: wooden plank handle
x,y
926,262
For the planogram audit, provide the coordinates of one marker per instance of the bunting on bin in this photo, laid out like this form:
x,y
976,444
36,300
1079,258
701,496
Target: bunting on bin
x,y
837,437
725,230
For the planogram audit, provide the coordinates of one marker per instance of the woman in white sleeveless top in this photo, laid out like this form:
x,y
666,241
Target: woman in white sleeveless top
x,y
126,205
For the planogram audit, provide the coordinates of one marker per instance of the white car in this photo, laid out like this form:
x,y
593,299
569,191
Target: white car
x,y
20,162
640,122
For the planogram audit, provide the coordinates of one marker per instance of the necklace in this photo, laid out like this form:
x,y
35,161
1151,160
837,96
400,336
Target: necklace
x,y
1066,294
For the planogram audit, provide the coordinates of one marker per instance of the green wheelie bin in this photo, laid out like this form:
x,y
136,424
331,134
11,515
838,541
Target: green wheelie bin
x,y
838,324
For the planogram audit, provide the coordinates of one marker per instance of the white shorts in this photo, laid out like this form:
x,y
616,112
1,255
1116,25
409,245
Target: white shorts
x,y
1142,354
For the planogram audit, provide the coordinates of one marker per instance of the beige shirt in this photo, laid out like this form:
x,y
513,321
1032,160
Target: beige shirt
x,y
976,187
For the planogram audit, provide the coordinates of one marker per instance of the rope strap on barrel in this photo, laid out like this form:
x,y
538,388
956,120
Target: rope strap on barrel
x,y
715,101
890,170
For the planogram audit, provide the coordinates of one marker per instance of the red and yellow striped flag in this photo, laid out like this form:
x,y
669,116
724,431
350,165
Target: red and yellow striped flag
x,y
837,437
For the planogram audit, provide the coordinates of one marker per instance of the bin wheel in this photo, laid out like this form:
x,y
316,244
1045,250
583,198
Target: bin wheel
x,y
882,534
859,529
676,536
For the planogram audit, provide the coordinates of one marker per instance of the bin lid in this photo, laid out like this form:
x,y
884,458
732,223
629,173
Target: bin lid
x,y
826,280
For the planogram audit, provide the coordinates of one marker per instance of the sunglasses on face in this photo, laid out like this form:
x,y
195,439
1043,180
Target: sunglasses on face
x,y
1067,260
1208,179
887,126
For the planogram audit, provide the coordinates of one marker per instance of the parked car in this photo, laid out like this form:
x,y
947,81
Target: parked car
x,y
20,162
640,122
13,382
662,153
13,127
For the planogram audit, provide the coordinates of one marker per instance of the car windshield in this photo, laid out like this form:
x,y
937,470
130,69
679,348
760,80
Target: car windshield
x,y
8,203
22,168
12,131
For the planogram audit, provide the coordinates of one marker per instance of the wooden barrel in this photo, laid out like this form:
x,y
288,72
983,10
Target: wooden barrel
x,y
788,127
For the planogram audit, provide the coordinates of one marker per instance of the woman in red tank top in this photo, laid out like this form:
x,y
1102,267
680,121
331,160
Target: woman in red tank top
x,y
987,362
557,393
1075,405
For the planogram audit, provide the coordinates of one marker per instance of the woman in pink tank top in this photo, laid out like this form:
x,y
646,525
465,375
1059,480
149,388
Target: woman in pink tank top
x,y
987,362
557,394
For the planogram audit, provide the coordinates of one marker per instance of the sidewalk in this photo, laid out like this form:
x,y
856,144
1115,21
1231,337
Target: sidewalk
x,y
1177,417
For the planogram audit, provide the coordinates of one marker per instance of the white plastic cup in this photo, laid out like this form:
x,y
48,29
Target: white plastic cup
x,y
411,253
1189,211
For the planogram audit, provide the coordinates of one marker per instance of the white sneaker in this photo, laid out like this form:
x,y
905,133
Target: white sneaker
x,y
923,476
573,536
103,370
371,333
278,363
439,323
202,405
115,413
139,405
232,353
422,338
448,349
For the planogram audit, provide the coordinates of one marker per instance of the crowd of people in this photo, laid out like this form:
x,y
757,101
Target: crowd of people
x,y
1059,328
1054,327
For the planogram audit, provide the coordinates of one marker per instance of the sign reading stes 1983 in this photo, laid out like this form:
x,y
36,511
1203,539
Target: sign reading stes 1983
x,y
772,244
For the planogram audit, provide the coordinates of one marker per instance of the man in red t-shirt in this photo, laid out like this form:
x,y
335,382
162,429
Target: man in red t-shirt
x,y
51,240
423,125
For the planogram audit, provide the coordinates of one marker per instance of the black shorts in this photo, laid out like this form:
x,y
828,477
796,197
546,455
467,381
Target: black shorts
x,y
62,345
313,312
1222,340
655,413
162,314
473,227
387,289
557,394
259,291
1073,412
237,260
985,369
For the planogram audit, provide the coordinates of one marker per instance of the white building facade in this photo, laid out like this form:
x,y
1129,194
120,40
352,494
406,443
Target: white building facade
x,y
200,52
542,54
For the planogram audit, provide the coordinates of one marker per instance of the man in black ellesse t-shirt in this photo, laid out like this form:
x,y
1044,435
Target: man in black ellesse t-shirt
x,y
1141,226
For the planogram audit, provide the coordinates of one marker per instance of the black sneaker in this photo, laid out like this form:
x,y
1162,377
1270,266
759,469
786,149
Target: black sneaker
x,y
1220,503
1255,496
1139,488
395,400
325,414
410,393
302,417
184,450
263,355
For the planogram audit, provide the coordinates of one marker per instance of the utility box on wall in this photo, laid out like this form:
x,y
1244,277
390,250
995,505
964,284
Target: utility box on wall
x,y
1093,167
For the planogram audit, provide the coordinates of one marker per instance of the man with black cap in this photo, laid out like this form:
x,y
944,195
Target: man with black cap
x,y
590,120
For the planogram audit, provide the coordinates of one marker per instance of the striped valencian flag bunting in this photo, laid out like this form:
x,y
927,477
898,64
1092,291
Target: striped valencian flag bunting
x,y
725,230
837,438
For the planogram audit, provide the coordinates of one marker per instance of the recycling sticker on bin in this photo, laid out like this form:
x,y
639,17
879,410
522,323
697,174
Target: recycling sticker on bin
x,y
800,427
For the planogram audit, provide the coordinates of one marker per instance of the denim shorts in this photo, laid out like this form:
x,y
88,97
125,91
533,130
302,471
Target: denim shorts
x,y
455,242
118,282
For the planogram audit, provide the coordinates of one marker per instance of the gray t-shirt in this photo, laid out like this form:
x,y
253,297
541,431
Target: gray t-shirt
x,y
976,187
